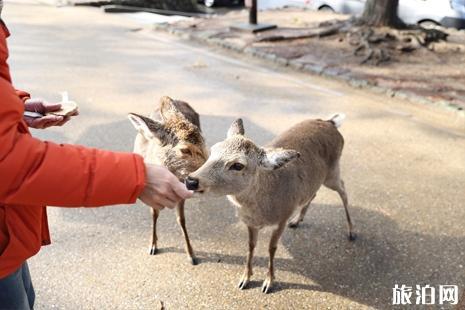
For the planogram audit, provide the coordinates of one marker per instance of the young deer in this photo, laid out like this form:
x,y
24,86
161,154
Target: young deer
x,y
269,184
171,137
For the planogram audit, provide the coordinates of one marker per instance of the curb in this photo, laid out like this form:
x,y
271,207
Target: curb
x,y
329,72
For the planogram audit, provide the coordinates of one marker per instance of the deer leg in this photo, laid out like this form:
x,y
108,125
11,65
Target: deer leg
x,y
334,182
182,222
253,233
153,247
275,236
300,217
342,193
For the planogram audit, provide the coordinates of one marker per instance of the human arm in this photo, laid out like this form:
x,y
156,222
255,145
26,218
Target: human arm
x,y
35,172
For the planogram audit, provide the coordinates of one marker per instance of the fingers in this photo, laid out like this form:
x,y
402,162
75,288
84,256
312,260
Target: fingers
x,y
75,113
52,120
181,191
175,190
34,105
155,201
67,118
41,106
51,107
166,196
64,121
155,205
167,200
46,121
162,188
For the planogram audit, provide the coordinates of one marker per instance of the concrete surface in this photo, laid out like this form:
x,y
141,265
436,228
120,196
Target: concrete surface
x,y
403,165
428,76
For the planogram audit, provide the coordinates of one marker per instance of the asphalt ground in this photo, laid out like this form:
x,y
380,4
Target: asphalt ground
x,y
403,165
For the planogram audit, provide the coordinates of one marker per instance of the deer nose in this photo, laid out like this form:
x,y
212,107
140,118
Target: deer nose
x,y
192,184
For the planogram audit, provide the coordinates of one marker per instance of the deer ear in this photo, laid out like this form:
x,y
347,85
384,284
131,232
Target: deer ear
x,y
168,109
148,127
276,158
236,128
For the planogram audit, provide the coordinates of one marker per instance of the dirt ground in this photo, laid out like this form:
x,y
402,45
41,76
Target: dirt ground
x,y
437,72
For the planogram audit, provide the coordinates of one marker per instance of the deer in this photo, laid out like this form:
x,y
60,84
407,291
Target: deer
x,y
171,137
269,184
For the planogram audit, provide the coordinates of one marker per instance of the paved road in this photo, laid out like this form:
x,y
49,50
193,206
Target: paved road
x,y
404,168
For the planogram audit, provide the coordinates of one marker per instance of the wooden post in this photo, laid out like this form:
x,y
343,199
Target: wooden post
x,y
253,25
253,13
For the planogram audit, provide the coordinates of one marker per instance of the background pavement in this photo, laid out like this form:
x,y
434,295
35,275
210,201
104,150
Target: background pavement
x,y
306,40
403,166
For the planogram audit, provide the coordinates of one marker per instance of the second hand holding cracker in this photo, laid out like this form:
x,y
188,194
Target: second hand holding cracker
x,y
68,108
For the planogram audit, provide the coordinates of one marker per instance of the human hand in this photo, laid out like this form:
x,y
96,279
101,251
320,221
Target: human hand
x,y
162,188
42,107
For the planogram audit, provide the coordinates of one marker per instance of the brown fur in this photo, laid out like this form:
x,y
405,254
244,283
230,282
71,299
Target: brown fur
x,y
184,130
275,181
171,137
319,143
183,107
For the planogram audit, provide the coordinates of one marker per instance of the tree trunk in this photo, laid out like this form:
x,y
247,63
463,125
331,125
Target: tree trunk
x,y
380,13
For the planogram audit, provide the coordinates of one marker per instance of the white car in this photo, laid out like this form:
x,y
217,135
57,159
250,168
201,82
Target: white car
x,y
448,13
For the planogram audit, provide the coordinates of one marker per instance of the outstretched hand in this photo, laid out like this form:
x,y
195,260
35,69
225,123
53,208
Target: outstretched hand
x,y
162,188
42,107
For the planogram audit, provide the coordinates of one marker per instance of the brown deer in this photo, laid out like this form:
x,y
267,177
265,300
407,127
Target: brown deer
x,y
269,184
171,137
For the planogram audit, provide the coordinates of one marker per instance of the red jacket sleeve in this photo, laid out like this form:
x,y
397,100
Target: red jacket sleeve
x,y
33,172
23,95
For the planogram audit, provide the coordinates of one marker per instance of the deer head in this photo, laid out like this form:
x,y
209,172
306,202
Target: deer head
x,y
174,141
235,162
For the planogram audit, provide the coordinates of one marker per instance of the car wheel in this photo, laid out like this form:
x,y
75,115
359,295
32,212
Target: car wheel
x,y
326,8
209,3
428,24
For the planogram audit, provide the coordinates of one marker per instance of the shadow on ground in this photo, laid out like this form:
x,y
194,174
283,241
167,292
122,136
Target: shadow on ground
x,y
364,271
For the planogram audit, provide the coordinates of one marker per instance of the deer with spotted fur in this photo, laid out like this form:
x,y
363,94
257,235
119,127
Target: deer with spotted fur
x,y
171,137
269,184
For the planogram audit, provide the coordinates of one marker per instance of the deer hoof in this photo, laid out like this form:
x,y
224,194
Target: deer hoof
x,y
193,260
267,285
293,224
352,236
244,282
153,250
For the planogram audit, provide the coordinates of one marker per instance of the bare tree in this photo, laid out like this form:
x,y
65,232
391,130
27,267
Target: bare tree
x,y
379,36
382,13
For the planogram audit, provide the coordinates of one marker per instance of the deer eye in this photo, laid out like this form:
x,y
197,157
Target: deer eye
x,y
237,167
186,151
